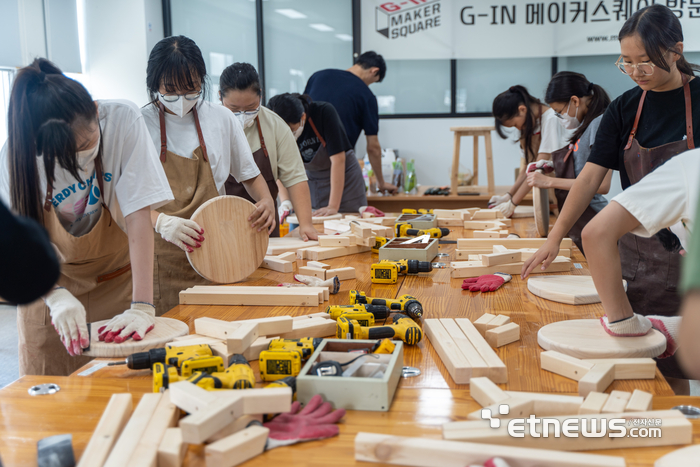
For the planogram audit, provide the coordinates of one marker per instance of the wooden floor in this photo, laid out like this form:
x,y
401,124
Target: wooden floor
x,y
420,406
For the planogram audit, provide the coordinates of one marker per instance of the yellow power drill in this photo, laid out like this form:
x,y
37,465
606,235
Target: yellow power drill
x,y
407,230
404,328
284,357
238,375
366,315
416,211
387,271
170,355
405,303
378,243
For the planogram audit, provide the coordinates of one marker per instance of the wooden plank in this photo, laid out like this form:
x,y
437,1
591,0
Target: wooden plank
x,y
457,364
510,243
503,335
270,325
447,214
164,417
109,428
639,402
280,245
497,369
518,408
319,253
314,272
317,264
342,273
462,269
482,214
498,321
593,403
238,336
501,258
276,264
288,256
237,425
485,392
564,365
333,240
253,296
361,230
237,448
485,234
478,365
190,397
266,400
630,368
482,225
482,321
616,402
260,344
202,424
597,379
172,449
428,452
450,222
317,327
133,431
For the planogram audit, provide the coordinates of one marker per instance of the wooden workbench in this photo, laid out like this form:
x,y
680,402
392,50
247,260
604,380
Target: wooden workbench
x,y
395,203
420,406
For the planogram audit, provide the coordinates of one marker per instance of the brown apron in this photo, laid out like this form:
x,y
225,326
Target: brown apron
x,y
318,171
564,168
192,183
262,160
95,269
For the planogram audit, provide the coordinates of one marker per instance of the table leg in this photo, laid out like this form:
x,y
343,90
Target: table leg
x,y
455,164
489,163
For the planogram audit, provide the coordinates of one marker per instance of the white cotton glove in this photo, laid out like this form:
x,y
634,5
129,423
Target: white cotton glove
x,y
493,462
68,317
543,165
670,327
496,200
183,233
507,208
134,322
636,325
284,209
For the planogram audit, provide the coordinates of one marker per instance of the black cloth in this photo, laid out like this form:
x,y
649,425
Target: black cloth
x,y
662,121
351,97
29,264
330,128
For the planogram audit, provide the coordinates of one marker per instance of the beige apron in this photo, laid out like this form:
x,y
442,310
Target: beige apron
x,y
192,183
95,269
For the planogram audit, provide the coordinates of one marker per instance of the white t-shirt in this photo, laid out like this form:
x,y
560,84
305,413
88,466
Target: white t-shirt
x,y
133,176
667,197
227,146
554,136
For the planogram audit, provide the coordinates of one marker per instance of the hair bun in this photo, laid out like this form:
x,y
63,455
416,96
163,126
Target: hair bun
x,y
590,87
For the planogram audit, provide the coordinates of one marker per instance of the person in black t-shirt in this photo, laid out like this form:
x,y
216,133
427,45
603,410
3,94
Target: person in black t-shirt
x,y
335,177
634,139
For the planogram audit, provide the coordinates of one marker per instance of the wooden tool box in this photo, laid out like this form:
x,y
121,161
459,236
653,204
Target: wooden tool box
x,y
395,250
427,221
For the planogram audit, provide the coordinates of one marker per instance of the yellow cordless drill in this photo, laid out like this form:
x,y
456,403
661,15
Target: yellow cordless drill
x,y
405,303
387,271
378,243
284,357
416,211
238,375
366,315
407,230
404,328
170,355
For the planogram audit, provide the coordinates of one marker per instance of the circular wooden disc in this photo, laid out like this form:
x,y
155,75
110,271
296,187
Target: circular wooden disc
x,y
686,456
540,203
586,338
572,290
163,332
232,249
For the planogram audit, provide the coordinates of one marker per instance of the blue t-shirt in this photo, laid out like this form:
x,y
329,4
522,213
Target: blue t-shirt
x,y
352,99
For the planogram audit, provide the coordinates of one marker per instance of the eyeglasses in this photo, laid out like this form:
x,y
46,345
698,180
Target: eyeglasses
x,y
192,96
248,112
559,115
646,68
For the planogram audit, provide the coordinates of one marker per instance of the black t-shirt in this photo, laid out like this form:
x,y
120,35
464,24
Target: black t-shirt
x,y
662,121
351,97
329,127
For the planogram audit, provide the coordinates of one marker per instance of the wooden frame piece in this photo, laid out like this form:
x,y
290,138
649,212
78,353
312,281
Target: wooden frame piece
x,y
486,393
133,431
208,420
315,327
288,256
172,449
597,379
255,296
164,417
498,321
564,365
617,402
317,264
260,344
237,335
276,264
639,402
321,253
483,214
237,425
482,321
503,335
497,369
495,259
593,403
462,269
342,273
190,397
314,272
360,230
485,234
510,243
237,448
108,430
333,240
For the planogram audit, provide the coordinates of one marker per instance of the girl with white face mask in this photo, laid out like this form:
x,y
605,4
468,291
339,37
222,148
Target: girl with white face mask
x,y
579,106
200,146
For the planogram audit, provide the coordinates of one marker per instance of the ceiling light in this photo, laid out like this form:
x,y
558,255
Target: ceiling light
x,y
289,13
344,37
321,27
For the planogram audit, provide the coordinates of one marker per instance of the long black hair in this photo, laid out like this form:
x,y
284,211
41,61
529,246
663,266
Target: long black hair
x,y
177,63
505,107
660,31
240,77
46,108
290,106
566,84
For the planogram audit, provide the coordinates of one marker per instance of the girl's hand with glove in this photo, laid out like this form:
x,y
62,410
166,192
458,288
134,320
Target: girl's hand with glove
x,y
183,233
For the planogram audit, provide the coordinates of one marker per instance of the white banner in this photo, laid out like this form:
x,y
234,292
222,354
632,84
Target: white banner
x,y
464,29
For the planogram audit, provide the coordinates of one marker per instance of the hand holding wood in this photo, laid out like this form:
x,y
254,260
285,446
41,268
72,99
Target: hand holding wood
x,y
634,326
183,233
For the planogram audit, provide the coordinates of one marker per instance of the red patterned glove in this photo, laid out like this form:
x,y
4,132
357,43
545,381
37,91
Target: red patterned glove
x,y
486,283
545,166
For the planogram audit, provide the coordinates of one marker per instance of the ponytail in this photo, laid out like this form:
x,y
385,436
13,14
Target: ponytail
x,y
290,106
566,84
44,108
505,107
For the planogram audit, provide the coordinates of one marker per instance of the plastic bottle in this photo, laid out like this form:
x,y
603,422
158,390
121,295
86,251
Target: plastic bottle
x,y
410,184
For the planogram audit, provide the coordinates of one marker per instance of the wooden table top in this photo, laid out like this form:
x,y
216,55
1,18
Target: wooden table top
x,y
394,203
421,405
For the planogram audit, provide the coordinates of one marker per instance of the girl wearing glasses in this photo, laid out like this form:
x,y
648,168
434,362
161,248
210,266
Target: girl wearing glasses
x,y
579,106
274,149
200,145
85,170
640,130
541,135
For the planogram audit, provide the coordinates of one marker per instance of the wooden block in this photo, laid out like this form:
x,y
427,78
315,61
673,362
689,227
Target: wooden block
x,y
133,431
480,324
288,256
481,225
547,404
510,243
450,222
317,327
164,417
593,403
202,424
475,268
190,397
270,325
477,365
321,253
254,296
639,402
172,450
564,365
320,314
361,230
369,241
428,452
498,321
268,400
447,214
519,408
527,253
260,344
316,264
485,214
630,368
237,448
485,392
454,360
501,258
238,336
333,240
237,425
302,253
109,428
485,234
616,402
342,273
497,369
277,246
311,271
276,264
597,379
503,335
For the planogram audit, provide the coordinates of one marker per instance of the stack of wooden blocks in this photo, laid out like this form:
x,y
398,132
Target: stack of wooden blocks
x,y
497,330
324,271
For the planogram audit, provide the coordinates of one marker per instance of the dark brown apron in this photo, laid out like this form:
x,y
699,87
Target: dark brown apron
x,y
262,159
318,171
564,168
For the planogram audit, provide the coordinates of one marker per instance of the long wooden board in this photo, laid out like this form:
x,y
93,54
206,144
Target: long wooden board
x,y
586,338
476,268
165,330
232,249
254,296
540,205
572,290
279,245
510,243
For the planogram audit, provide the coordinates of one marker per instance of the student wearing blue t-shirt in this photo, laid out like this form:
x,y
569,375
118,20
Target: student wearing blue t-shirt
x,y
348,91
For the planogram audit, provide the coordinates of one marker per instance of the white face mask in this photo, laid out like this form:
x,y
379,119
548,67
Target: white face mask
x,y
247,119
180,107
297,133
88,155
569,122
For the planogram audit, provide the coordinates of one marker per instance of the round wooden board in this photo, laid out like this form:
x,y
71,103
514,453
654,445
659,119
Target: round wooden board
x,y
572,290
164,331
681,457
586,338
232,249
540,203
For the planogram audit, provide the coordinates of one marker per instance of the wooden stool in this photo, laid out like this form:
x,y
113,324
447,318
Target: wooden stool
x,y
474,131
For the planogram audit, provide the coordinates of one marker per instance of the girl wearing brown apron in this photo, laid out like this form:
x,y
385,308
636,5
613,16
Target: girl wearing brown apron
x,y
579,106
200,146
541,135
640,129
86,170
274,149
335,177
